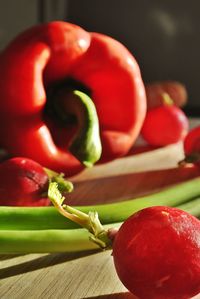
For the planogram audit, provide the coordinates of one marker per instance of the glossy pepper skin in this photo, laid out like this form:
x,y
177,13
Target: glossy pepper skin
x,y
55,52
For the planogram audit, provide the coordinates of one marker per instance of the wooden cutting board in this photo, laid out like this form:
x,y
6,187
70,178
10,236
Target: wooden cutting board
x,y
91,275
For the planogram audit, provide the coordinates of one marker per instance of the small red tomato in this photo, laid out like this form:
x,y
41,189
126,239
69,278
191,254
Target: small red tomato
x,y
157,254
22,183
165,125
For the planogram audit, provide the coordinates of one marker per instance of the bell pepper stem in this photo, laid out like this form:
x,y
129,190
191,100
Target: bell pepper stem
x,y
86,143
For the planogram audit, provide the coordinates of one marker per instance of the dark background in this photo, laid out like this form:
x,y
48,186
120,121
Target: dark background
x,y
164,36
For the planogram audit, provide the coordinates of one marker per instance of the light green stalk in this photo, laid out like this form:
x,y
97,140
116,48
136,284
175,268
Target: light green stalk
x,y
40,218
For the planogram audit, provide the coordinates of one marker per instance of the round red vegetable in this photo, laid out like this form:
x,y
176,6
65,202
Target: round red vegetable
x,y
192,146
23,183
157,254
165,125
176,90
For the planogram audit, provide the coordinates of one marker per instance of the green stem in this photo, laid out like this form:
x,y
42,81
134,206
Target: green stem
x,y
86,144
57,199
40,218
89,220
43,241
167,100
60,240
192,207
63,184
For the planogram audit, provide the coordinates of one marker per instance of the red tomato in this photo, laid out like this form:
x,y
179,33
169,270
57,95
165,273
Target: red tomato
x,y
157,254
165,125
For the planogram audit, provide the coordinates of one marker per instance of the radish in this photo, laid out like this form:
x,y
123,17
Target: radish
x,y
164,125
192,147
24,182
176,90
157,253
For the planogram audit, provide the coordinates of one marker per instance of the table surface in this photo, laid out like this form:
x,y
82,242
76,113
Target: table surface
x,y
90,274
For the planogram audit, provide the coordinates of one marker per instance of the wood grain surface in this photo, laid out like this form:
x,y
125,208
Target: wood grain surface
x,y
91,275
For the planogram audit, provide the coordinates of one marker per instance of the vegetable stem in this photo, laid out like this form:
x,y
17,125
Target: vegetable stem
x,y
41,218
63,184
47,241
89,220
62,240
192,207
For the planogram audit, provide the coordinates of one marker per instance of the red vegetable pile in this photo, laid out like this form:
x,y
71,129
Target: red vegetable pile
x,y
70,98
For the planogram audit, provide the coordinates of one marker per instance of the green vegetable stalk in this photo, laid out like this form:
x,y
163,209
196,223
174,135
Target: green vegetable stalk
x,y
42,218
72,240
61,240
42,241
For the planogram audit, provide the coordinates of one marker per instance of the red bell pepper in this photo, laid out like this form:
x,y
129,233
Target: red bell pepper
x,y
39,72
